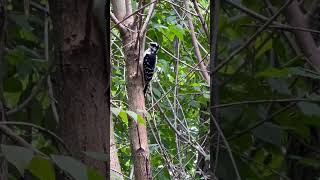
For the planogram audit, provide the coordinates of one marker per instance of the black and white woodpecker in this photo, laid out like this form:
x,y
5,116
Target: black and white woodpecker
x,y
149,63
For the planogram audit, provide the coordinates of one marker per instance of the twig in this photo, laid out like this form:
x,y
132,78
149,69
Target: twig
x,y
122,28
285,27
196,147
203,23
265,101
261,17
180,7
202,66
252,38
146,22
52,134
127,17
14,137
227,146
34,92
39,7
172,87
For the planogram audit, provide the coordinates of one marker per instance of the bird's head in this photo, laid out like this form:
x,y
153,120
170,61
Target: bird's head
x,y
154,47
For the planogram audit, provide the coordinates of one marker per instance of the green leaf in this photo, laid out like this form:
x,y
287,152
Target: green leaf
x,y
270,133
267,46
94,174
124,117
42,168
273,72
20,20
306,161
96,155
309,109
12,84
303,72
133,115
72,166
115,111
141,120
17,156
279,85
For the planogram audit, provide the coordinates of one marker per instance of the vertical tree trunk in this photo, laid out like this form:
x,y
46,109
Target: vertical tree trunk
x,y
82,79
3,116
214,88
137,131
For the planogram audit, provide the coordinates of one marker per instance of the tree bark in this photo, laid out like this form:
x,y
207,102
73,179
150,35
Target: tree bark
x,y
82,79
137,131
214,88
3,116
307,44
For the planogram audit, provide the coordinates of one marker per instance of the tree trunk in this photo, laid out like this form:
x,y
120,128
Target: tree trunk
x,y
3,116
307,44
214,88
81,79
137,131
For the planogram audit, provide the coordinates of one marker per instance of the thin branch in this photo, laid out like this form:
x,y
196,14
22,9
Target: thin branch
x,y
285,27
180,7
122,28
196,147
262,18
33,94
39,7
119,22
227,146
172,87
17,139
52,134
203,23
252,38
147,20
265,101
202,66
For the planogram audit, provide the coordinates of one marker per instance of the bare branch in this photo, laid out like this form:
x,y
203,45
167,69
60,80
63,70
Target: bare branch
x,y
202,66
265,101
52,134
17,139
146,22
285,27
188,11
252,38
203,23
138,10
122,28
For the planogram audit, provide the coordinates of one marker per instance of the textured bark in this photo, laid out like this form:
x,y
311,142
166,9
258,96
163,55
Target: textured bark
x,y
214,88
3,116
137,132
81,79
307,44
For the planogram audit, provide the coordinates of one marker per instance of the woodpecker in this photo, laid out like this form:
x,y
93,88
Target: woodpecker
x,y
149,63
